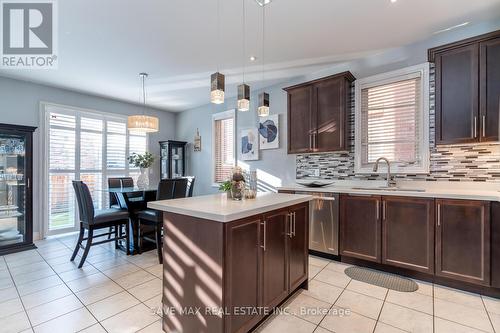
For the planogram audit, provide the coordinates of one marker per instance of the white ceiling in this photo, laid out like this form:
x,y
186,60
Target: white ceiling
x,y
104,44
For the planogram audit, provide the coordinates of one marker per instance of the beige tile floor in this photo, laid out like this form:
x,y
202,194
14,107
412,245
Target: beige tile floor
x,y
41,291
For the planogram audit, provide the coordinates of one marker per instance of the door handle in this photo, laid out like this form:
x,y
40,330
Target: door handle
x,y
439,215
324,198
378,210
484,126
384,209
475,127
289,220
310,141
264,240
294,225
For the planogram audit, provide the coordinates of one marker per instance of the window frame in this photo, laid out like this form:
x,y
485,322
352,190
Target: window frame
x,y
221,116
79,113
387,78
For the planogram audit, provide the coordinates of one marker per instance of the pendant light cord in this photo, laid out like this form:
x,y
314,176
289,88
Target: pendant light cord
x,y
144,92
244,41
263,39
218,34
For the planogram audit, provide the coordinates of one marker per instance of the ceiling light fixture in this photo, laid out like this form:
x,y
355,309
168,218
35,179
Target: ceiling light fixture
x,y
394,1
263,109
143,123
253,58
243,89
262,3
217,80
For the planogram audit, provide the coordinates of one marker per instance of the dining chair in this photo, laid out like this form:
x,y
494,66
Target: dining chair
x,y
154,218
93,220
180,188
132,197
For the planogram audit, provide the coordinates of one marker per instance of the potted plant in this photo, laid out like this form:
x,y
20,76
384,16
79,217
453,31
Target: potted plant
x,y
226,187
144,162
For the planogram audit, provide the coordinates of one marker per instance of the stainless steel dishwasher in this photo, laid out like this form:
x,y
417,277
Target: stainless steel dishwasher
x,y
323,222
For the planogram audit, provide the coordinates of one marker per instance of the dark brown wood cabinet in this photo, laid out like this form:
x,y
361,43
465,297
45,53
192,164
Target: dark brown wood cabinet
x,y
274,258
298,235
463,240
360,227
495,244
317,114
467,89
408,233
243,239
489,79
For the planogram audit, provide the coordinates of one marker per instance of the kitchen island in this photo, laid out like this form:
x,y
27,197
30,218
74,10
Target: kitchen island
x,y
227,264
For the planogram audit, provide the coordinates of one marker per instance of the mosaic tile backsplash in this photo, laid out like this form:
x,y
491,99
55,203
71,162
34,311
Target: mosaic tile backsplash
x,y
468,162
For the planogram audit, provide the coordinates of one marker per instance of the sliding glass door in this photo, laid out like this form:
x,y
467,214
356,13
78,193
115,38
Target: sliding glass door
x,y
88,146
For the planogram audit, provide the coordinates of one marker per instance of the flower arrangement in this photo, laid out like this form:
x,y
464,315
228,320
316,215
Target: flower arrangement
x,y
143,161
237,184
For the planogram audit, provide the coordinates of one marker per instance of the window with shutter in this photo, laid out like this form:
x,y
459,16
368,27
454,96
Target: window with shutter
x,y
223,145
86,145
392,120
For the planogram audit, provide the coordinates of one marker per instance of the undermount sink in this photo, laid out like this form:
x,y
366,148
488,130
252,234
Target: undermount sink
x,y
389,189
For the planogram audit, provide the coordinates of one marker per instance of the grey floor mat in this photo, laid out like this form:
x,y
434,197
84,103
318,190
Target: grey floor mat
x,y
381,279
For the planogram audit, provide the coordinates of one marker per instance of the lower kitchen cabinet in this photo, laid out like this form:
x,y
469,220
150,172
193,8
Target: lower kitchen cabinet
x,y
360,227
299,242
242,283
274,257
495,244
408,233
463,240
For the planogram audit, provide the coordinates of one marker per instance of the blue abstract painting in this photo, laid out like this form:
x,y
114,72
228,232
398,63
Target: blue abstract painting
x,y
269,132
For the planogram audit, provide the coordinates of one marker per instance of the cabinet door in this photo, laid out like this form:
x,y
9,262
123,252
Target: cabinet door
x,y
274,258
360,227
242,272
490,89
457,90
463,240
329,115
300,128
495,244
298,245
408,233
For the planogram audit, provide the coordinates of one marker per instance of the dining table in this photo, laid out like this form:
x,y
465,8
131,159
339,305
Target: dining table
x,y
128,199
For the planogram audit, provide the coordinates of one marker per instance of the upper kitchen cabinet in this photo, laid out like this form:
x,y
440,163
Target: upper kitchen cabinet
x,y
468,90
318,114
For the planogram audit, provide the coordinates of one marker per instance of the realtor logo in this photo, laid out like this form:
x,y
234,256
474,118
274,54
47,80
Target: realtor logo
x,y
29,34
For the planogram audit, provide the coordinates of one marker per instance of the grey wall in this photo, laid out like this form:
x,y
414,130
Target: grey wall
x,y
20,105
276,162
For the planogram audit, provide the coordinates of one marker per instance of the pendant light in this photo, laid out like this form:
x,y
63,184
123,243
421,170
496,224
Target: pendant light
x,y
217,80
263,109
244,89
143,123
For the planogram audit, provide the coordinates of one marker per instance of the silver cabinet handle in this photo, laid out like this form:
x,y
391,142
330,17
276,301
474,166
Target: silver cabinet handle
x,y
264,241
324,198
475,126
310,141
484,126
289,220
29,183
439,215
378,210
294,223
384,209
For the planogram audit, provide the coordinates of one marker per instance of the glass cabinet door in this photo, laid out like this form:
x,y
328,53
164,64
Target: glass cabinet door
x,y
177,162
12,189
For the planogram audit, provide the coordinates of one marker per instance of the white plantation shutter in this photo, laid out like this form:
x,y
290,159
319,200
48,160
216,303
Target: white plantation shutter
x,y
224,154
89,146
391,116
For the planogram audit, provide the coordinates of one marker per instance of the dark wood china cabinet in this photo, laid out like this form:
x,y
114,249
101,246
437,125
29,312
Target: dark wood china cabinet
x,y
16,193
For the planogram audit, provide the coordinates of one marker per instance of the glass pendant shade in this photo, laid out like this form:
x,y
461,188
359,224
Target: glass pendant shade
x,y
263,109
217,83
243,97
143,124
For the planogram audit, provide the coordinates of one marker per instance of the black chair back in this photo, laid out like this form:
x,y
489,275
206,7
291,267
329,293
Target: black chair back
x,y
114,183
165,189
85,203
180,188
127,182
190,186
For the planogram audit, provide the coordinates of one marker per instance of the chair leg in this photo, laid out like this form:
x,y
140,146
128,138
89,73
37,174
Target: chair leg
x,y
78,243
127,237
159,247
87,247
116,237
139,236
110,231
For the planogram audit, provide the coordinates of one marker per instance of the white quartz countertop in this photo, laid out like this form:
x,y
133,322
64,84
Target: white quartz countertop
x,y
217,207
443,192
